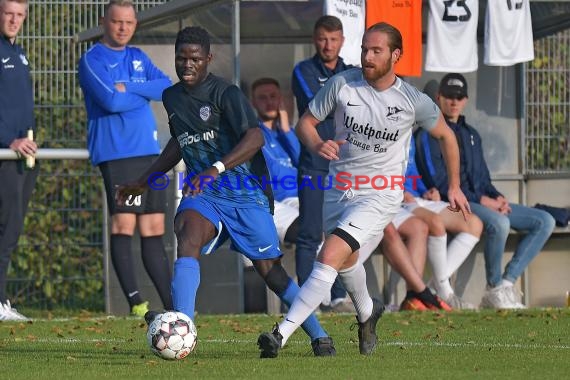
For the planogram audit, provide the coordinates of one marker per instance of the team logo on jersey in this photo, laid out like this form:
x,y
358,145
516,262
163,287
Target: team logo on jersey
x,y
24,59
137,65
392,113
205,113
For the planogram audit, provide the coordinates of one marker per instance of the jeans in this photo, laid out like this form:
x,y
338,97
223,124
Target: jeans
x,y
538,226
311,228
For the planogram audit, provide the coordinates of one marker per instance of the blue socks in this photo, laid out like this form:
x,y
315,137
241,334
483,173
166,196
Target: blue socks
x,y
311,325
185,284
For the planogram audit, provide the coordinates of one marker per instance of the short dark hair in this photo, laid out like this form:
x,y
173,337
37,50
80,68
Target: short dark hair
x,y
394,35
119,3
193,35
264,81
328,23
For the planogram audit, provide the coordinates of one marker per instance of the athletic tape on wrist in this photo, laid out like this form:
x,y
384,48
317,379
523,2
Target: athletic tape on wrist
x,y
220,166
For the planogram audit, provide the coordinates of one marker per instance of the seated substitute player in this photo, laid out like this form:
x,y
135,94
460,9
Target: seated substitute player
x,y
281,152
216,207
374,113
444,258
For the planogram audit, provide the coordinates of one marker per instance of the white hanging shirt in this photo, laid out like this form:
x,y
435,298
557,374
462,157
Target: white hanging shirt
x,y
452,36
352,14
508,33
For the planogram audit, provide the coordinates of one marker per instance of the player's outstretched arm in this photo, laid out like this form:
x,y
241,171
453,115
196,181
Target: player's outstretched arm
x,y
169,157
450,151
251,141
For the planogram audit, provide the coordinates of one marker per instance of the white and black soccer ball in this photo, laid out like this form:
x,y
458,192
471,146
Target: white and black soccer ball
x,y
172,335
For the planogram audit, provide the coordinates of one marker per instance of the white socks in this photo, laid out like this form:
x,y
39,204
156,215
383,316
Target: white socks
x,y
458,251
354,281
313,291
445,264
437,256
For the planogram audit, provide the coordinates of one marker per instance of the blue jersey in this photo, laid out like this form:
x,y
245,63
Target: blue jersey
x,y
281,151
309,76
414,185
120,124
208,121
16,93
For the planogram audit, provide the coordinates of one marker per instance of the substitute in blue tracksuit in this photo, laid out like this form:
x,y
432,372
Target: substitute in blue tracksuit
x,y
16,117
118,83
308,78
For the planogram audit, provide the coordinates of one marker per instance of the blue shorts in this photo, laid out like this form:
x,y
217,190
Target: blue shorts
x,y
250,229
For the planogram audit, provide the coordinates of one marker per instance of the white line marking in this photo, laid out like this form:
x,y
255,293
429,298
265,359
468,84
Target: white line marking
x,y
300,342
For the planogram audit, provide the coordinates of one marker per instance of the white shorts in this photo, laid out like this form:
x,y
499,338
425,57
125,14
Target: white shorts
x,y
286,212
361,214
433,206
402,215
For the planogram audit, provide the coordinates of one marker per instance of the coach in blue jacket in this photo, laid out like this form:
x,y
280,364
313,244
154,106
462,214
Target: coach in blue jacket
x,y
16,117
496,212
308,78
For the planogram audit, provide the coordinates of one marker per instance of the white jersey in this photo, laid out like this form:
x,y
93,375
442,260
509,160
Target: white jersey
x,y
352,14
376,125
452,36
508,33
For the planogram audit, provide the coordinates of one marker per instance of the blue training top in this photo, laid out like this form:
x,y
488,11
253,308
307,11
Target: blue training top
x,y
16,93
121,124
308,77
415,186
281,151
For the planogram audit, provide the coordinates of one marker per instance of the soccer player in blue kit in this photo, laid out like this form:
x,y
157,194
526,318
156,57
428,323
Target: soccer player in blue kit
x,y
215,130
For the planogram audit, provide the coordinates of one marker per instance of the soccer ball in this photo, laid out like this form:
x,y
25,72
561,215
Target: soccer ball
x,y
172,335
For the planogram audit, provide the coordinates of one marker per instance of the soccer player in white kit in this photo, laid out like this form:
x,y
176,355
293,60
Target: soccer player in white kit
x,y
374,114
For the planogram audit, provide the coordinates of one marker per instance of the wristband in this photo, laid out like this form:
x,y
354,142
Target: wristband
x,y
220,166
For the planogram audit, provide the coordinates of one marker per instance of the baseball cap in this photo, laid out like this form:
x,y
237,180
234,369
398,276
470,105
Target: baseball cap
x,y
453,85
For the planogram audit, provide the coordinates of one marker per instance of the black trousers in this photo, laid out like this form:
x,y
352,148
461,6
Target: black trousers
x,y
16,189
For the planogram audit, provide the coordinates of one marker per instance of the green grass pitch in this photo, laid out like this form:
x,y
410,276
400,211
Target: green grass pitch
x,y
488,344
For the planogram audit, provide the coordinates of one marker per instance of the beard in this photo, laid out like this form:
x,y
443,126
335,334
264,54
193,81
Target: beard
x,y
269,115
373,74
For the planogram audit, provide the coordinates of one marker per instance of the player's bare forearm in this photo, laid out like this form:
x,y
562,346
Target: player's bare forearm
x,y
306,131
450,151
169,157
250,143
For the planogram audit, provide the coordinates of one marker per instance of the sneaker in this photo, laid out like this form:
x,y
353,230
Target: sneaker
x,y
367,338
500,297
270,343
8,313
455,302
150,315
339,305
140,310
412,304
323,346
516,297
